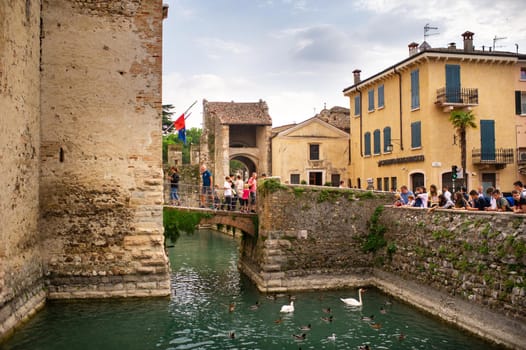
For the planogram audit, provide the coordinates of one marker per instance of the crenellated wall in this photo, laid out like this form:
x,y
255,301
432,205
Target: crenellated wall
x,y
468,268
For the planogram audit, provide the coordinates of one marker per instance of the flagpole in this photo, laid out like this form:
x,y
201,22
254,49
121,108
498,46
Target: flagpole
x,y
172,125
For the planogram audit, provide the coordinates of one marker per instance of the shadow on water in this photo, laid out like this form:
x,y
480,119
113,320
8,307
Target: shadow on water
x,y
213,306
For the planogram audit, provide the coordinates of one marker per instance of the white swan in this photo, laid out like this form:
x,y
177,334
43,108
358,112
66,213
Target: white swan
x,y
287,308
352,301
332,337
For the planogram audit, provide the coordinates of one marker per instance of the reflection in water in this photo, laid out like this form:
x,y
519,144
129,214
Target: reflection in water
x,y
206,283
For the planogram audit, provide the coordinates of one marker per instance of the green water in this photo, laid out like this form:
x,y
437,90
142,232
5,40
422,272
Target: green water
x,y
205,282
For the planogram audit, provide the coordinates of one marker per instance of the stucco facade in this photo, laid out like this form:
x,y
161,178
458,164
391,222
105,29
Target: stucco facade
x,y
313,151
414,119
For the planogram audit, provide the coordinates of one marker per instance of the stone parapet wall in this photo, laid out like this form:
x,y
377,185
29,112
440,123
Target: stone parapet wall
x,y
309,231
21,283
465,267
478,256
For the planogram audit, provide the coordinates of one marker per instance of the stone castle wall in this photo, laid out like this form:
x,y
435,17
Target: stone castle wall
x,y
80,153
309,238
101,190
468,268
21,282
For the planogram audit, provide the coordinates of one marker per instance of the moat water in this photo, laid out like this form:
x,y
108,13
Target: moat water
x,y
199,315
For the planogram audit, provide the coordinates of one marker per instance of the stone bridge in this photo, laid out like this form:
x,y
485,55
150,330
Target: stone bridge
x,y
246,222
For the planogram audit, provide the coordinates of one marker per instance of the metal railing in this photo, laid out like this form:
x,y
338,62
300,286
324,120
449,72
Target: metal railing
x,y
460,96
496,156
192,196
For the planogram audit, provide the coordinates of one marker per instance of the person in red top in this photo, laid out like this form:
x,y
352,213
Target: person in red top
x,y
252,186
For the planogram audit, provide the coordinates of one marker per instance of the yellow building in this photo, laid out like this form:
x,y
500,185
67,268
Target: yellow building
x,y
400,128
315,151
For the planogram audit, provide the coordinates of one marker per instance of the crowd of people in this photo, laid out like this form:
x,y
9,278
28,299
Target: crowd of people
x,y
491,199
236,194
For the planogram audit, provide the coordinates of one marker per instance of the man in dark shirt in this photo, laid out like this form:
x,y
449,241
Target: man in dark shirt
x,y
478,201
206,190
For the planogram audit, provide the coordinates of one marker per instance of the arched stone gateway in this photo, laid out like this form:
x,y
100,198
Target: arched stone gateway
x,y
235,131
248,162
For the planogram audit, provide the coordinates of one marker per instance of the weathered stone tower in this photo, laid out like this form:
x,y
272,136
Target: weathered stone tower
x,y
80,142
236,131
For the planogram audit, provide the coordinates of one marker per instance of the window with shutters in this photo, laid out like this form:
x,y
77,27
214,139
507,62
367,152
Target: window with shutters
x,y
314,151
367,143
376,138
357,107
520,103
387,139
415,89
295,179
416,135
487,139
370,94
523,73
381,97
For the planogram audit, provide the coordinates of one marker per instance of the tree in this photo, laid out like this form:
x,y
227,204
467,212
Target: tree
x,y
193,136
461,121
167,113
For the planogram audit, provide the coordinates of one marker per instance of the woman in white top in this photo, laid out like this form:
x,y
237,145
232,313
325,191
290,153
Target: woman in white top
x,y
238,185
227,187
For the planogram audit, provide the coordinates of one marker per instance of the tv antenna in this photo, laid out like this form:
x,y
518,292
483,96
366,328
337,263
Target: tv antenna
x,y
428,28
495,39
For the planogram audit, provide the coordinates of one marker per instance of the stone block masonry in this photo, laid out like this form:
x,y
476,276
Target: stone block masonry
x,y
21,265
467,268
80,153
101,184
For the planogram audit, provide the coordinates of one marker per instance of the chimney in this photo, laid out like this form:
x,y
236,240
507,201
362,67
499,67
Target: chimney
x,y
356,74
468,41
452,46
413,48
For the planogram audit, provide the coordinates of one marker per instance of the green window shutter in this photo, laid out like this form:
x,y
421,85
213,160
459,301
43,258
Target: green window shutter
x,y
415,89
487,139
370,93
518,109
357,108
387,138
380,96
367,143
416,137
376,137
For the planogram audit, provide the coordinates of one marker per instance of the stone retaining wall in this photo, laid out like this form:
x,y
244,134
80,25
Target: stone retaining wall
x,y
466,267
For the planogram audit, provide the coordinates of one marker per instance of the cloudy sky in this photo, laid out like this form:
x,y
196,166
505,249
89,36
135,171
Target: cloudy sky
x,y
298,55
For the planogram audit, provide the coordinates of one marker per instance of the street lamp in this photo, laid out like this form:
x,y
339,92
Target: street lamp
x,y
389,148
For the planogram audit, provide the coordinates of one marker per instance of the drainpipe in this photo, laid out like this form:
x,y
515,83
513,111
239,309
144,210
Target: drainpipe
x,y
361,129
400,106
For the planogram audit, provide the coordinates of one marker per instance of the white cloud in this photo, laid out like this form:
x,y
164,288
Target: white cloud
x,y
297,57
217,48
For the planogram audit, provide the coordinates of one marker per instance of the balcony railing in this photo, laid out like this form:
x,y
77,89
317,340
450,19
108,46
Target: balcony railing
x,y
457,97
499,156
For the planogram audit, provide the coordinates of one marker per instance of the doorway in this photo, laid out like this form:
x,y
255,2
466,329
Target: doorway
x,y
315,178
417,180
